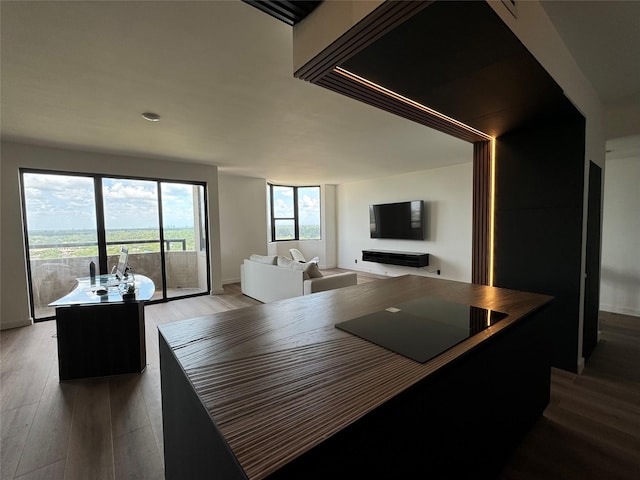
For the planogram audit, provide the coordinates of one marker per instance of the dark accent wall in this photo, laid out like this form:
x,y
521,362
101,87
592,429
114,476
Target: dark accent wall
x,y
538,223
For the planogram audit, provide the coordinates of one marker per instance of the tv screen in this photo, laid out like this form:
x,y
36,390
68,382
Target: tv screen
x,y
402,220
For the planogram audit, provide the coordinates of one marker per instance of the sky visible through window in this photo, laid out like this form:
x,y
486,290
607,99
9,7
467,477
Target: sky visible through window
x,y
60,202
308,204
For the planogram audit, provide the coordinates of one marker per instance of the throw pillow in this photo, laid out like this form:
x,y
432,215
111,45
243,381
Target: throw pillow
x,y
286,262
266,259
309,269
312,270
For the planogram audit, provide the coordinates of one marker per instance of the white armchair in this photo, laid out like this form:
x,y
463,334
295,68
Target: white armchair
x,y
297,255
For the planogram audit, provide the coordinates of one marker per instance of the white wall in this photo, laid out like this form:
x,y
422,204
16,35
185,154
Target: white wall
x,y
15,304
243,222
447,193
622,121
620,274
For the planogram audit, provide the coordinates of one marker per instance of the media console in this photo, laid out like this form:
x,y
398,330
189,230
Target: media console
x,y
406,259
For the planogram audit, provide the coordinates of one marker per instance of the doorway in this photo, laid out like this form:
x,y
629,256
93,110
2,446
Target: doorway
x,y
592,266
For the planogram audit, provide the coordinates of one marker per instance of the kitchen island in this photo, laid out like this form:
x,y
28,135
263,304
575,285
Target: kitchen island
x,y
277,391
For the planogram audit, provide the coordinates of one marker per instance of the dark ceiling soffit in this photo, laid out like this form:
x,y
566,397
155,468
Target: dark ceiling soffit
x,y
288,12
461,59
345,86
382,20
486,78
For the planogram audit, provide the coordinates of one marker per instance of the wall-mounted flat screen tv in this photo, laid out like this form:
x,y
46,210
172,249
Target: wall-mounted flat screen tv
x,y
401,220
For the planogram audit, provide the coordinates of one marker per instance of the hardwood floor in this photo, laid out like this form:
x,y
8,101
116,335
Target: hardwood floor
x,y
112,428
105,428
591,429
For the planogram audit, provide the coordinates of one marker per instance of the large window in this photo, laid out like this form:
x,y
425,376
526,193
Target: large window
x,y
74,219
295,212
62,234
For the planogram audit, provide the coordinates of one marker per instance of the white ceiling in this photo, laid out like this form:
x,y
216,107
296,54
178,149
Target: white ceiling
x,y
604,39
79,74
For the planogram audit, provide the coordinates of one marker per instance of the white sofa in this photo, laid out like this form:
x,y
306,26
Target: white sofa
x,y
270,278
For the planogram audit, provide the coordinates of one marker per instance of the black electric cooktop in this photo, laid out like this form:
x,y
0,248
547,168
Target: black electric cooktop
x,y
423,328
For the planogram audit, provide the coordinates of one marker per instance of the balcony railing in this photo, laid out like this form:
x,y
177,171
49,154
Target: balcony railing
x,y
167,244
53,277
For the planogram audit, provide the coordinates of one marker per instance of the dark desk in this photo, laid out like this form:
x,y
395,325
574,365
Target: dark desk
x,y
277,391
100,335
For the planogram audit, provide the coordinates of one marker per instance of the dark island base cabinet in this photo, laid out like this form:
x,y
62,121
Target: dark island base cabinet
x,y
391,257
459,415
100,340
463,422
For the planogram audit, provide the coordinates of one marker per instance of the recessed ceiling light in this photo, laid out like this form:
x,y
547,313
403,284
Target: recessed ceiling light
x,y
152,117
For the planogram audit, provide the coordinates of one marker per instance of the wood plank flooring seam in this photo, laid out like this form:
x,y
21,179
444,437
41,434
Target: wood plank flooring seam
x,y
113,456
66,460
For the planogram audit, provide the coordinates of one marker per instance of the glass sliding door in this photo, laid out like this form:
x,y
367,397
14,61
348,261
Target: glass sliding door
x,y
61,235
72,220
185,239
132,218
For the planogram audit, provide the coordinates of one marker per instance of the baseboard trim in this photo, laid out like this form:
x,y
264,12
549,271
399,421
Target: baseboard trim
x,y
16,324
580,365
622,310
324,267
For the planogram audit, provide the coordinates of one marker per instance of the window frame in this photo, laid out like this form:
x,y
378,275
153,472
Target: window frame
x,y
296,216
101,231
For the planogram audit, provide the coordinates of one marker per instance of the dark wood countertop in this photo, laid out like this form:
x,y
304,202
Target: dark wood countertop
x,y
279,378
